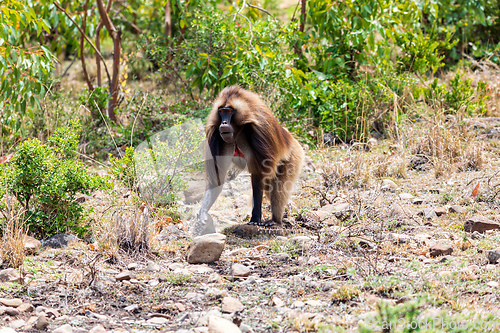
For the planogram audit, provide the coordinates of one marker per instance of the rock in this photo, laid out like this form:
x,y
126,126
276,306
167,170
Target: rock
x,y
400,212
10,275
221,325
31,245
194,192
457,209
231,304
303,242
17,324
125,275
98,329
52,313
153,282
26,307
64,329
157,321
281,257
12,311
152,266
440,211
239,270
440,249
493,256
418,201
171,233
428,213
246,329
477,235
278,302
216,293
389,185
132,266
214,278
60,240
206,248
135,308
492,284
11,302
490,267
398,238
406,196
480,224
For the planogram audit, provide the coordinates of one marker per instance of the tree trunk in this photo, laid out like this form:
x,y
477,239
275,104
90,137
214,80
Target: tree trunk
x,y
82,47
116,36
303,15
168,20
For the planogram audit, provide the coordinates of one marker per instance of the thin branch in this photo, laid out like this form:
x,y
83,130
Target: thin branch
x,y
86,37
261,9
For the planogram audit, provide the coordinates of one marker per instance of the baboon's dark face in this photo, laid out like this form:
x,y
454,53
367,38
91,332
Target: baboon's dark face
x,y
226,128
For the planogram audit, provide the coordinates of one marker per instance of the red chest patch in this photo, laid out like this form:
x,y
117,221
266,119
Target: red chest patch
x,y
237,151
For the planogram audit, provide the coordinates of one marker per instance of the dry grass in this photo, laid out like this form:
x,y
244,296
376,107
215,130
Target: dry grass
x,y
445,148
124,230
14,232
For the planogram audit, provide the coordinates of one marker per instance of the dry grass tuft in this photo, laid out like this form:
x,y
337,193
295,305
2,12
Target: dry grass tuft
x,y
129,231
446,149
13,234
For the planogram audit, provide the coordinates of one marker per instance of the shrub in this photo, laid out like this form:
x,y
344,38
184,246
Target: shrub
x,y
45,179
123,169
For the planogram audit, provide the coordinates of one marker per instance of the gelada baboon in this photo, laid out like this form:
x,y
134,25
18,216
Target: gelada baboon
x,y
241,129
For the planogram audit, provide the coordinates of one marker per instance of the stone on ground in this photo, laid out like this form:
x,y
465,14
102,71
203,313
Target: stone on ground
x,y
231,304
221,325
480,224
206,248
440,249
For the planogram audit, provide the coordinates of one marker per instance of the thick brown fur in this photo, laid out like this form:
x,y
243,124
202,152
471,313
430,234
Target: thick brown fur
x,y
273,156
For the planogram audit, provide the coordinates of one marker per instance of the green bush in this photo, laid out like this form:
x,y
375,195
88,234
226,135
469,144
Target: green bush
x,y
123,169
45,179
458,96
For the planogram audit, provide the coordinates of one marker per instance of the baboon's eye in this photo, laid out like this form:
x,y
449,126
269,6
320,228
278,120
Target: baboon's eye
x,y
226,110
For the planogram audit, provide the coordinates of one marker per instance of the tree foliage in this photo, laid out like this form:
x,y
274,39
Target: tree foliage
x,y
24,68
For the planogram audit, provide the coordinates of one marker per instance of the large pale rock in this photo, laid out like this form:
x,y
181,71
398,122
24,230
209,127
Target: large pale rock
x,y
206,248
10,275
239,270
31,245
11,302
221,325
480,224
231,304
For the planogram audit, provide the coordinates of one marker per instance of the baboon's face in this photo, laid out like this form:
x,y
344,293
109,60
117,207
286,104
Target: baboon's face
x,y
226,128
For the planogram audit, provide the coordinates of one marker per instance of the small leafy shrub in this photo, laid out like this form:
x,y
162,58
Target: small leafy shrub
x,y
96,101
45,179
459,96
123,169
177,279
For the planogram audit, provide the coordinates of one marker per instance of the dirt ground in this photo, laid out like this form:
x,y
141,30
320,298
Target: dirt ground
x,y
375,243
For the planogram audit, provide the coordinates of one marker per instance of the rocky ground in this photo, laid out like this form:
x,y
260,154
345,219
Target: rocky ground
x,y
377,241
